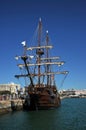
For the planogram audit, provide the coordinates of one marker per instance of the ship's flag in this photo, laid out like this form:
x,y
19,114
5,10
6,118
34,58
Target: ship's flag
x,y
23,43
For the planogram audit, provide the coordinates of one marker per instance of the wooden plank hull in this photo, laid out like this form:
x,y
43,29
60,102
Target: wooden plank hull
x,y
42,101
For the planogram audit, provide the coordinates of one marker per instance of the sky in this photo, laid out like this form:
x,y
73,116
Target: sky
x,y
66,23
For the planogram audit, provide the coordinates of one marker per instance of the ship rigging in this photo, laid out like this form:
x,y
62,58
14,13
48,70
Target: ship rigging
x,y
45,94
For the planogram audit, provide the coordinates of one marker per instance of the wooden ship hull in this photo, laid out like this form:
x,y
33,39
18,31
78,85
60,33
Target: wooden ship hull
x,y
43,99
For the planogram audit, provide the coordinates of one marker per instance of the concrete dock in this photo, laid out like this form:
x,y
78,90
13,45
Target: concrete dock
x,y
10,105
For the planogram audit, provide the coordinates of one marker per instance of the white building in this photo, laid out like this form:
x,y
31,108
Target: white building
x,y
11,88
80,92
73,93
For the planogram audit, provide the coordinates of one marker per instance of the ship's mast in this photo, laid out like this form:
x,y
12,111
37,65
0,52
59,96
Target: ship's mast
x,y
47,55
39,52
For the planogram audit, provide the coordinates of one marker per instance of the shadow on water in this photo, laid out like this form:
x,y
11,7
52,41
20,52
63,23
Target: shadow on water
x,y
71,115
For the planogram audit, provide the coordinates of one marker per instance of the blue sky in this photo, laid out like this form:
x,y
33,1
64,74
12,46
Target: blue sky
x,y
66,22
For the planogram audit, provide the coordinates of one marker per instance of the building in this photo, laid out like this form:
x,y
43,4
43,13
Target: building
x,y
67,92
10,89
81,92
73,93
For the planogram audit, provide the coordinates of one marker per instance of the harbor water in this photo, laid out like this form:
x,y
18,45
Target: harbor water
x,y
71,115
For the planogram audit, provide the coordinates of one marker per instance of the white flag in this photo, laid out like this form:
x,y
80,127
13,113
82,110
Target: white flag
x,y
23,43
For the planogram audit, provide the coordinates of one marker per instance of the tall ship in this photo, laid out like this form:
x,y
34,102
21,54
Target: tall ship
x,y
37,66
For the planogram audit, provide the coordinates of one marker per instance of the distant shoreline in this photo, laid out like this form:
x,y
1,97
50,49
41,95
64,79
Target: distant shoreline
x,y
63,97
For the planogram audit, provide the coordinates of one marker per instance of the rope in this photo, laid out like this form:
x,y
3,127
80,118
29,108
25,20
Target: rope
x,y
63,80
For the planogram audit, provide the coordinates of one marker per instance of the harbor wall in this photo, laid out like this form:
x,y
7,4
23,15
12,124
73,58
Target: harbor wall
x,y
10,105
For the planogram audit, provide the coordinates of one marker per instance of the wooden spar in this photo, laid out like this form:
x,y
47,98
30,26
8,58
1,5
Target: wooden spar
x,y
24,58
39,47
51,58
47,63
42,74
30,56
